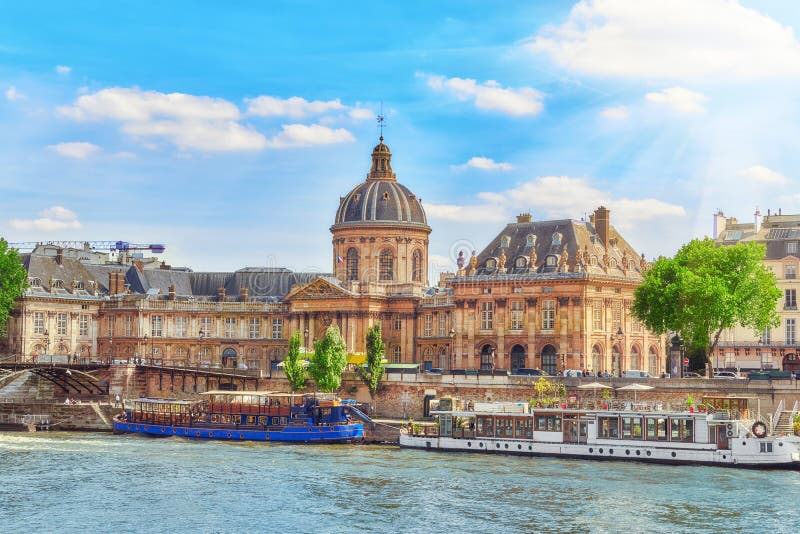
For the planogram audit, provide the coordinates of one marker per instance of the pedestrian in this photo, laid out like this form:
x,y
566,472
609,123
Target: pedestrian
x,y
116,400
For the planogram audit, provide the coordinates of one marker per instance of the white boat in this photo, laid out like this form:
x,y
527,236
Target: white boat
x,y
726,434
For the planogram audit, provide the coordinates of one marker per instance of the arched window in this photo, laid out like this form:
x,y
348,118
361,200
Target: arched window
x,y
652,356
635,363
557,238
386,265
416,266
521,262
505,241
352,264
491,263
596,355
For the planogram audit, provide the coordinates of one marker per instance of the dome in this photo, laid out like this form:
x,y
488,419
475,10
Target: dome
x,y
380,199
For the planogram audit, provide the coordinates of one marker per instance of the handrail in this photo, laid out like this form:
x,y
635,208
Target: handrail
x,y
776,418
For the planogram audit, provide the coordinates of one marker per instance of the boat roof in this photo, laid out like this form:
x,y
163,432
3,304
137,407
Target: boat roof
x,y
540,411
257,393
161,401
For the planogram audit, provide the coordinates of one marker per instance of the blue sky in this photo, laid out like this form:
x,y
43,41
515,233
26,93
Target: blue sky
x,y
229,133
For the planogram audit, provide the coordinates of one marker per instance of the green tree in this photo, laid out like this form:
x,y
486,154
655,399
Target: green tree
x,y
372,374
293,366
706,289
329,360
13,281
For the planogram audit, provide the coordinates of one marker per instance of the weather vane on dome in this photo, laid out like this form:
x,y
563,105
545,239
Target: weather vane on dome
x,y
381,120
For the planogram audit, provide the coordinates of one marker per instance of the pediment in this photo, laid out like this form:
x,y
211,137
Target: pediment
x,y
318,288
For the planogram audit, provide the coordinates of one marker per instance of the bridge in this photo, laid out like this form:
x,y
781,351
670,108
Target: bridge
x,y
72,379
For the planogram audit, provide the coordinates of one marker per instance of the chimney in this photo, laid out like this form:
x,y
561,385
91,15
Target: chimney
x,y
243,295
221,294
524,218
719,223
757,221
139,266
60,256
602,225
591,218
171,294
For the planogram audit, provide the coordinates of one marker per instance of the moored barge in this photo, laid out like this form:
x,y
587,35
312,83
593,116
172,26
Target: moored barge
x,y
724,435
245,416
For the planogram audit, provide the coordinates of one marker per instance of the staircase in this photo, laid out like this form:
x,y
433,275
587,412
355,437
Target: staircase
x,y
784,423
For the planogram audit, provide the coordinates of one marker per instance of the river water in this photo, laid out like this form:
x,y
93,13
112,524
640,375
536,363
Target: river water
x,y
84,482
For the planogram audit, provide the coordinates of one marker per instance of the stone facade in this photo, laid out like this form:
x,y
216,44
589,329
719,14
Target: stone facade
x,y
543,294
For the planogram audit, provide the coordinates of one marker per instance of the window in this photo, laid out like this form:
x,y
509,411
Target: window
x,y
597,315
730,359
791,247
491,263
255,327
789,272
517,314
398,322
442,325
61,324
487,315
128,326
521,262
396,354
38,322
790,302
505,241
230,327
766,446
616,315
416,266
530,240
550,261
766,336
386,265
791,332
548,314
593,261
35,282
57,284
277,328
557,238
180,326
110,325
206,327
156,326
83,325
352,264
427,325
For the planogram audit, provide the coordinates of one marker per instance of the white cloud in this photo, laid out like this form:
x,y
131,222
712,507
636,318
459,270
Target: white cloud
x,y
12,94
294,107
361,114
77,150
301,135
677,39
204,123
490,95
63,69
615,113
679,99
484,164
53,218
763,175
555,197
472,214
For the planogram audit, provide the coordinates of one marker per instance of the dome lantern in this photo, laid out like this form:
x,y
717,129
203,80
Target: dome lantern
x,y
381,163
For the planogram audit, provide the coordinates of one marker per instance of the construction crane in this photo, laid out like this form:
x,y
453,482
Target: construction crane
x,y
110,246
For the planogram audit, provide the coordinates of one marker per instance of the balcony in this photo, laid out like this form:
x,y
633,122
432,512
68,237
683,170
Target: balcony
x,y
198,306
437,301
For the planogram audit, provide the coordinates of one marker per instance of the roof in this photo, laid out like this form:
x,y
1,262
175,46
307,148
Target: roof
x,y
562,247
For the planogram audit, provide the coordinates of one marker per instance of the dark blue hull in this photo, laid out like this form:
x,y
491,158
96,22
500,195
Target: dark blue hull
x,y
303,434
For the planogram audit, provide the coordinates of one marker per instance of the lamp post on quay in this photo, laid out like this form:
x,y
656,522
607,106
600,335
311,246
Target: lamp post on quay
x,y
676,356
452,335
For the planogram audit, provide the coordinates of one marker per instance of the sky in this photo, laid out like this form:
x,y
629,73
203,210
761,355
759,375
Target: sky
x,y
228,131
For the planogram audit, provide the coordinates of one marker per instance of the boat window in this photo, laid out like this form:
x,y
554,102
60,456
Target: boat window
x,y
682,430
548,423
662,429
519,434
766,447
651,428
609,427
632,428
529,428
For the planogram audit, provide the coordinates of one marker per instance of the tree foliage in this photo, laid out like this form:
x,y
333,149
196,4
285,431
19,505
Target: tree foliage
x,y
13,281
547,392
372,374
706,289
293,366
329,360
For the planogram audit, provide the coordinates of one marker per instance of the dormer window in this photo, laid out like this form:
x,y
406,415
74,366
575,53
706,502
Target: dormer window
x,y
613,241
557,238
593,261
521,262
77,284
57,284
386,196
491,264
35,282
550,261
505,241
612,263
530,240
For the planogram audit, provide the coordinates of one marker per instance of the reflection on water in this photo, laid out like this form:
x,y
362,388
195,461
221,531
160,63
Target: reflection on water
x,y
71,482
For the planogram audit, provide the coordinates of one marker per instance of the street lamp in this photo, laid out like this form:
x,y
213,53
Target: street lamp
x,y
145,348
46,342
305,340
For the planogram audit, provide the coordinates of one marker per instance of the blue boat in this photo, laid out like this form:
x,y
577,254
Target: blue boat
x,y
245,416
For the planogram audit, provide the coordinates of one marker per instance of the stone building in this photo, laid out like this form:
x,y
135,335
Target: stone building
x,y
777,348
543,294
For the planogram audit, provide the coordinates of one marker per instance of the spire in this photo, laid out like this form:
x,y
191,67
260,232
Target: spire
x,y
381,163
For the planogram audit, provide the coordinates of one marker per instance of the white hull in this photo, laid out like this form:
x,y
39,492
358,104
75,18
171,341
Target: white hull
x,y
743,452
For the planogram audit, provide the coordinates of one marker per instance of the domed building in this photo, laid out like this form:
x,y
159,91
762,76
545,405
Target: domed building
x,y
380,234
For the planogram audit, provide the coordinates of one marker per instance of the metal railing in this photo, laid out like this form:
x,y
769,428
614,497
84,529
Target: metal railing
x,y
777,416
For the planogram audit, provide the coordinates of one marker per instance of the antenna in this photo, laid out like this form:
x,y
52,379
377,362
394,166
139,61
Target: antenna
x,y
381,120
